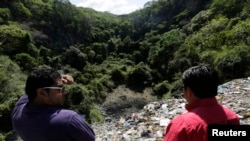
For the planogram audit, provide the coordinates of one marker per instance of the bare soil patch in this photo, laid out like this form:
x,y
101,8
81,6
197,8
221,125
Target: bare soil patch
x,y
123,101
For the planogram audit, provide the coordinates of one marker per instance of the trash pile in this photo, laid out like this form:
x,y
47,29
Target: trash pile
x,y
149,123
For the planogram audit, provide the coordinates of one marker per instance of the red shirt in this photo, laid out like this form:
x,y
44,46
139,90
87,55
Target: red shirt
x,y
192,125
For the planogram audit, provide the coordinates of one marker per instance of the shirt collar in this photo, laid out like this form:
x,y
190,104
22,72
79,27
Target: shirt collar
x,y
201,102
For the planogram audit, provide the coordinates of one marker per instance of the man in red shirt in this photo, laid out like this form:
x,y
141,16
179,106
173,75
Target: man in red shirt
x,y
200,88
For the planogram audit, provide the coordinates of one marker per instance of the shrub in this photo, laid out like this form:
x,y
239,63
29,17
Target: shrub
x,y
96,115
161,88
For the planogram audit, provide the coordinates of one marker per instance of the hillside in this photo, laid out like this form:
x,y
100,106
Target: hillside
x,y
146,50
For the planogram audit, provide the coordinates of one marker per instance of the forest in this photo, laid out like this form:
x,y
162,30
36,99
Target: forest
x,y
150,47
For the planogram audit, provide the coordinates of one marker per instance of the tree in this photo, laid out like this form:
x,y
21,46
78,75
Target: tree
x,y
139,76
4,15
12,82
25,61
75,58
13,40
234,63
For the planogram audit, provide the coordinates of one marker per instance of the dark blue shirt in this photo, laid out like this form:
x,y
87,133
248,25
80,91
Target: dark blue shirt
x,y
49,123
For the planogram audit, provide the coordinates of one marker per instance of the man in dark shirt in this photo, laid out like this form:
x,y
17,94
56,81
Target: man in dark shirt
x,y
38,115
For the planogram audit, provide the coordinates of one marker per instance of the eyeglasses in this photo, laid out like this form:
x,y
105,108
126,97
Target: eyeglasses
x,y
61,89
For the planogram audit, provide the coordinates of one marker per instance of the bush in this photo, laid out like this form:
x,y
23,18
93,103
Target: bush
x,y
12,82
117,76
4,15
140,76
161,88
96,116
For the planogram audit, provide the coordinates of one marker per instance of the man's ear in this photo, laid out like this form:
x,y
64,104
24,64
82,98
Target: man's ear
x,y
189,92
41,92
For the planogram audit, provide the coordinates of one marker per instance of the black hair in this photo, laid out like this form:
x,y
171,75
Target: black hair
x,y
40,78
203,80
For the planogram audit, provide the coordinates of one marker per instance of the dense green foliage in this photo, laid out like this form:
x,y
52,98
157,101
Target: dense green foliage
x,y
147,48
11,85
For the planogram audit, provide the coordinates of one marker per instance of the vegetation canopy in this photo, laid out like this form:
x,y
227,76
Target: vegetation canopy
x,y
148,48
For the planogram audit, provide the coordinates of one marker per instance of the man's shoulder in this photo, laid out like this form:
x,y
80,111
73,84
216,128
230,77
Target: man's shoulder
x,y
64,115
229,112
181,118
66,112
186,118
